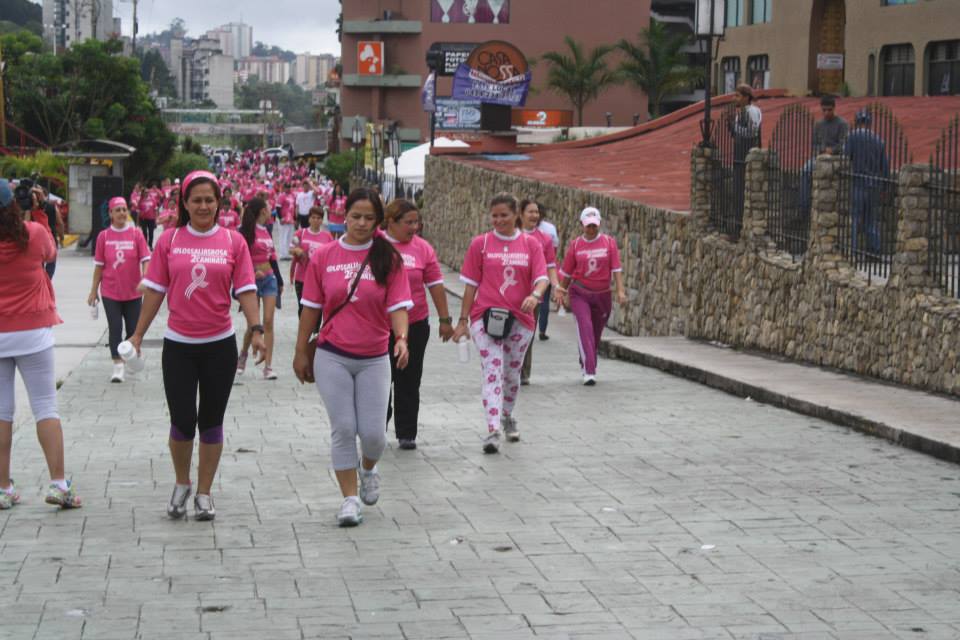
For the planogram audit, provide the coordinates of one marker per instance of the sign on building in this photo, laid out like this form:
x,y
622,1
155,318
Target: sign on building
x,y
542,118
370,58
454,115
496,72
830,61
470,11
452,55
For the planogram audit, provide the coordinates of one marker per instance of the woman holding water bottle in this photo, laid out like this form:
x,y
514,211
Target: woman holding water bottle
x,y
119,264
505,275
195,267
423,272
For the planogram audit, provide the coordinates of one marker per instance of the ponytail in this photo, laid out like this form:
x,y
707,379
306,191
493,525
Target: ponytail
x,y
248,224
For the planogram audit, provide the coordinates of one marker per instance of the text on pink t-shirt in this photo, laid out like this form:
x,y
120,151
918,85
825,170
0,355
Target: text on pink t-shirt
x,y
262,250
423,271
310,242
120,252
591,262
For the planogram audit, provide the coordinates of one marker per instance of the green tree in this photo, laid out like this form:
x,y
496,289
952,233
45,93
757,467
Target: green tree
x,y
17,44
657,64
90,91
183,163
338,167
156,74
579,76
295,103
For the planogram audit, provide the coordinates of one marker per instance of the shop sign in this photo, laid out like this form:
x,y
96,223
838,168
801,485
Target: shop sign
x,y
370,58
542,118
496,72
830,61
457,114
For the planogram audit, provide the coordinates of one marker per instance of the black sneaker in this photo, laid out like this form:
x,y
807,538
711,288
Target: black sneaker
x,y
407,445
544,337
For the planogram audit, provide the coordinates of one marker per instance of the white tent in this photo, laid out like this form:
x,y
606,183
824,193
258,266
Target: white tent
x,y
412,166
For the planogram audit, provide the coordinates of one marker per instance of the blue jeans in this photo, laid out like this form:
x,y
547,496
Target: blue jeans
x,y
545,310
267,286
864,214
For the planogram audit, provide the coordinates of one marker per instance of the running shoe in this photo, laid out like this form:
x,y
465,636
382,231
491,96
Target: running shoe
x,y
544,337
203,507
9,497
241,364
407,445
589,379
269,374
524,382
350,515
65,499
369,486
510,429
491,444
117,372
177,508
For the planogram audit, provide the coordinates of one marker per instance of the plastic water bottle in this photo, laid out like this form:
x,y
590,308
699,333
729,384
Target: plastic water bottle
x,y
134,362
463,349
561,311
95,311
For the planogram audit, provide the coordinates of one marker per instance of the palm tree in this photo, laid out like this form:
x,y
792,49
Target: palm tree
x,y
580,77
657,64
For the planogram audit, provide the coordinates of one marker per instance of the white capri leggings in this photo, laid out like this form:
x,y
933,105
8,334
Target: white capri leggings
x,y
37,371
355,392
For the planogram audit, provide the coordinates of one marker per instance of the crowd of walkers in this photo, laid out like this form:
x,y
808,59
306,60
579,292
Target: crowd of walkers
x,y
362,274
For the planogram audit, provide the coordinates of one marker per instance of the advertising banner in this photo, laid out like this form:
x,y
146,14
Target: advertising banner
x,y
457,115
496,72
370,58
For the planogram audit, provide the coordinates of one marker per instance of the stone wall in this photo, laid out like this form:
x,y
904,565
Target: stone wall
x,y
685,279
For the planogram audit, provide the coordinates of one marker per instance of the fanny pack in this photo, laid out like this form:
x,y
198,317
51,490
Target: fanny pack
x,y
497,322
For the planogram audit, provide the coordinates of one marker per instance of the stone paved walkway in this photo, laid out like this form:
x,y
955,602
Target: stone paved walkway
x,y
646,507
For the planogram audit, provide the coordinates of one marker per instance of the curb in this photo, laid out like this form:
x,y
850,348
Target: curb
x,y
936,448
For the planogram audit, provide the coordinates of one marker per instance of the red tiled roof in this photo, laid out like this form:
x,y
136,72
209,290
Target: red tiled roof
x,y
651,163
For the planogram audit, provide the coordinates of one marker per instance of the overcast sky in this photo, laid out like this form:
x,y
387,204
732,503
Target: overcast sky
x,y
297,25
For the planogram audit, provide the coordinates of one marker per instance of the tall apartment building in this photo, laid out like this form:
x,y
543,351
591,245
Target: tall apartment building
x,y
236,39
311,71
267,69
66,22
203,72
866,47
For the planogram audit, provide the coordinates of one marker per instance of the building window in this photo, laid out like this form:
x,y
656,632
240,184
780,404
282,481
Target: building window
x,y
758,68
730,77
872,75
897,70
736,12
890,3
943,68
761,11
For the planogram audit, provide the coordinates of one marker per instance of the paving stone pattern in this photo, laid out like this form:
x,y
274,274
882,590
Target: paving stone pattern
x,y
646,507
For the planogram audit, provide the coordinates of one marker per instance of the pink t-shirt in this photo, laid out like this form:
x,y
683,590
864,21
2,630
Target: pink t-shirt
x,y
423,271
549,251
288,208
338,211
168,217
362,327
148,206
120,252
262,250
505,271
591,262
229,219
310,242
197,271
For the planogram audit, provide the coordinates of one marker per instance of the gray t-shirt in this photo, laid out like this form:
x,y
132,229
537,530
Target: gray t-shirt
x,y
829,134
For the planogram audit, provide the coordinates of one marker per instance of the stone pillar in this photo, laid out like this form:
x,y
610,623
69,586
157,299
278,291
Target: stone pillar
x,y
910,264
755,204
824,250
701,168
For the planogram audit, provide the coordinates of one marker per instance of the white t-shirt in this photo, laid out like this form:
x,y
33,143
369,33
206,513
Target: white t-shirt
x,y
551,230
22,343
304,202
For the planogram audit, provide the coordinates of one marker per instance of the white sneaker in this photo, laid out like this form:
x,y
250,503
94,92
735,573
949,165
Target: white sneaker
x,y
369,486
589,380
510,429
269,374
491,444
350,515
117,372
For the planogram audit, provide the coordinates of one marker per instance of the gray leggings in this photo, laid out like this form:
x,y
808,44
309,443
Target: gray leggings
x,y
355,393
37,371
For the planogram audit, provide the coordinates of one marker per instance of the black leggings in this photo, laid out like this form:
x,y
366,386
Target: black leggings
x,y
298,287
406,382
211,367
148,227
120,313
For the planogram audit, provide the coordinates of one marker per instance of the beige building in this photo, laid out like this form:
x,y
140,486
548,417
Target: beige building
x,y
874,47
312,71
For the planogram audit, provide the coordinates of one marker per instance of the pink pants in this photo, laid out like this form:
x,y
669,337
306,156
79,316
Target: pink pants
x,y
591,311
500,361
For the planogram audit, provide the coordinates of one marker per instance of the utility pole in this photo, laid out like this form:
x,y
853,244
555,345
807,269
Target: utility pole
x,y
3,103
136,27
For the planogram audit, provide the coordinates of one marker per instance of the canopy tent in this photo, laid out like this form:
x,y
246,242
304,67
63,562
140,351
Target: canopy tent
x,y
412,165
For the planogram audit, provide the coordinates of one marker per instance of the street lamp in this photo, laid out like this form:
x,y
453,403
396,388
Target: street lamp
x,y
395,152
378,156
356,138
711,19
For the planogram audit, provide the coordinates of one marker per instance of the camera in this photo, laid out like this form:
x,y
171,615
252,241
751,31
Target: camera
x,y
23,192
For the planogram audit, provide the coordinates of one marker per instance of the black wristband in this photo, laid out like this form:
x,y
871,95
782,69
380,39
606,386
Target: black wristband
x,y
446,320
257,327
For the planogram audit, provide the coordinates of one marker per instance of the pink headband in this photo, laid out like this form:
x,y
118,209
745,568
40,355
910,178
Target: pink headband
x,y
185,185
116,202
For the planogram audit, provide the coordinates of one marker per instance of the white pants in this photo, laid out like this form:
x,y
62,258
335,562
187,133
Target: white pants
x,y
37,371
286,237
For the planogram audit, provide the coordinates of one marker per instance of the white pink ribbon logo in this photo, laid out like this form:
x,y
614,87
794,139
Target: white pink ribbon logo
x,y
199,276
592,266
120,259
509,279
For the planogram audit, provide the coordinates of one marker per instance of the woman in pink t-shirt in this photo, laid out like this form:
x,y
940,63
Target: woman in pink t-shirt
x,y
338,209
228,218
529,219
119,262
195,267
351,366
504,269
589,263
306,242
269,281
423,271
28,313
169,212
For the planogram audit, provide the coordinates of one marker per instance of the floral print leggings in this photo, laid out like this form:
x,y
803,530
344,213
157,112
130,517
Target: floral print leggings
x,y
501,361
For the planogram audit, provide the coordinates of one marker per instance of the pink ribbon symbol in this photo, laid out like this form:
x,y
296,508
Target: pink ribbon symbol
x,y
592,266
199,276
120,259
509,279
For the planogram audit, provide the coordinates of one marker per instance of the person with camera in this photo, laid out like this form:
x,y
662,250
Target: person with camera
x,y
195,267
28,313
119,263
505,274
33,198
360,284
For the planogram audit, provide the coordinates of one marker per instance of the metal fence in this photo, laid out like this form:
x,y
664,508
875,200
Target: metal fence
x,y
790,180
733,137
873,154
944,218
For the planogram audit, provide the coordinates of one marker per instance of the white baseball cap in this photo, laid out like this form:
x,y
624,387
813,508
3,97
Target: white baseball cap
x,y
590,215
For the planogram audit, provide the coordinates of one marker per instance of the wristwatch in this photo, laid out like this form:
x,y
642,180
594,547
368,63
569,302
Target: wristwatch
x,y
257,327
447,320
